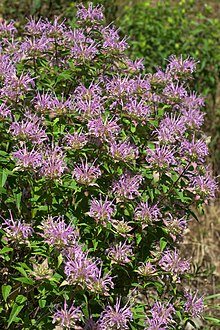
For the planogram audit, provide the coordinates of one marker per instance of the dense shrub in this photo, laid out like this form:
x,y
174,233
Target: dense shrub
x,y
100,167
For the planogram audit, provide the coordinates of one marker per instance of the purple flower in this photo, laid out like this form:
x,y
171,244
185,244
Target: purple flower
x,y
196,150
161,316
57,233
27,159
91,14
192,101
81,270
88,101
67,318
103,129
120,253
193,118
55,29
146,269
102,211
123,151
203,186
16,230
175,226
161,158
35,28
111,40
115,318
5,112
171,128
76,141
15,87
7,29
134,66
86,174
48,104
120,86
174,92
127,186
35,47
147,214
178,65
84,51
194,305
28,130
101,284
7,68
172,263
137,110
53,164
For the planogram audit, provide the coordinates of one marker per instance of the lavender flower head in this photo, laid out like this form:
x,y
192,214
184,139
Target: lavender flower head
x,y
102,211
91,14
16,230
137,110
7,29
115,318
27,159
127,186
120,253
147,214
195,150
161,158
161,316
53,164
203,186
194,305
28,130
175,226
86,174
170,129
75,141
103,129
67,318
80,270
123,151
177,65
146,269
5,112
172,263
57,233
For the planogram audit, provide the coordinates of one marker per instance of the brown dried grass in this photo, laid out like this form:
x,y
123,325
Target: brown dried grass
x,y
202,245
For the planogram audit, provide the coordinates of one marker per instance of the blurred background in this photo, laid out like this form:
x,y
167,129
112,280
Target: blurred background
x,y
157,29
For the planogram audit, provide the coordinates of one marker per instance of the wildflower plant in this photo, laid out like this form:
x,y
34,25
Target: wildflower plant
x,y
100,168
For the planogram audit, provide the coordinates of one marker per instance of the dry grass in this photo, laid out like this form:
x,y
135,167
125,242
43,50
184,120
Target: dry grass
x,y
202,245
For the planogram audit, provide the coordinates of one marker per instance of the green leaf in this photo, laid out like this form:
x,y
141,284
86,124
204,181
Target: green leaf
x,y
16,308
5,250
60,260
18,200
4,177
42,303
163,243
6,289
214,320
25,280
